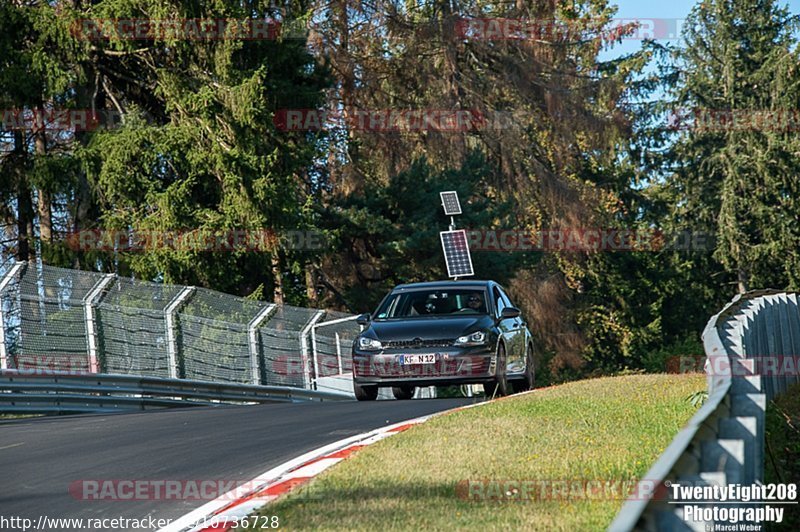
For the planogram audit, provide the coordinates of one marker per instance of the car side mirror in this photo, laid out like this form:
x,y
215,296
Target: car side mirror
x,y
363,319
509,312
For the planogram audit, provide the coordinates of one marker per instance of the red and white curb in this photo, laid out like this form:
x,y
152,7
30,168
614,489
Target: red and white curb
x,y
219,515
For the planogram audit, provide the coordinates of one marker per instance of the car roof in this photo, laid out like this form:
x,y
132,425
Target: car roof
x,y
445,284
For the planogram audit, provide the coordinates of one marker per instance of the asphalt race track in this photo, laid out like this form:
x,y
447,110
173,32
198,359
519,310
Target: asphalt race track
x,y
40,458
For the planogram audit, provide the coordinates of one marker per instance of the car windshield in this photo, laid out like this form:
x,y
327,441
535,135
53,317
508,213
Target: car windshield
x,y
433,302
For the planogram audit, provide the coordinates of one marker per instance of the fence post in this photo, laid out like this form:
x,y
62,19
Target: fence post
x,y
304,349
252,333
3,283
339,353
169,315
314,357
89,315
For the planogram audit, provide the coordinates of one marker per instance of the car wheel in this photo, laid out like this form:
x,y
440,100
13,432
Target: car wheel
x,y
528,382
498,386
365,393
403,392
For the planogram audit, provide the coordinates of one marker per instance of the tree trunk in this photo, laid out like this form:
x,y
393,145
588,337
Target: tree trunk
x,y
311,285
45,201
24,205
277,293
744,284
346,181
451,73
44,197
87,97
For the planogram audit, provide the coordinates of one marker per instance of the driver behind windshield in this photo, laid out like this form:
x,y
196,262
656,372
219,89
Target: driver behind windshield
x,y
475,303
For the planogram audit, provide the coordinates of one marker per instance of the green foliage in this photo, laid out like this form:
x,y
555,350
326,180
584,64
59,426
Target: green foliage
x,y
698,398
737,180
662,358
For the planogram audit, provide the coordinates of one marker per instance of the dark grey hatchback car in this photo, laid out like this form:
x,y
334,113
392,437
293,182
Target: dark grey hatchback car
x,y
443,333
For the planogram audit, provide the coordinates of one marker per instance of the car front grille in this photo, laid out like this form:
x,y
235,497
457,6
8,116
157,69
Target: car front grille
x,y
405,344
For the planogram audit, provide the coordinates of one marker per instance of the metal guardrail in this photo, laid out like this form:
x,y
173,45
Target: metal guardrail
x,y
723,443
63,393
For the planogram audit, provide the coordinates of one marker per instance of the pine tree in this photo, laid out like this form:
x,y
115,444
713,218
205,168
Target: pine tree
x,y
198,149
733,171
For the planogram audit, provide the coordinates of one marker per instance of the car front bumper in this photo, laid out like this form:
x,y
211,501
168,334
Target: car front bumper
x,y
453,365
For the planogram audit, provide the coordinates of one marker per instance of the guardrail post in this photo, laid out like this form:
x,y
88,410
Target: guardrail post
x,y
169,315
304,349
89,303
252,333
10,274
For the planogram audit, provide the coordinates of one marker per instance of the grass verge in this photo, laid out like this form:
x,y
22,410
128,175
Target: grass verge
x,y
783,449
607,429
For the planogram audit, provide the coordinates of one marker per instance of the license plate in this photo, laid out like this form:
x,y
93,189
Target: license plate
x,y
418,359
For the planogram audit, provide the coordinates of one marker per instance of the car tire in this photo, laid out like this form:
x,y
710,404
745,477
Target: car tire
x,y
365,393
498,387
526,383
402,393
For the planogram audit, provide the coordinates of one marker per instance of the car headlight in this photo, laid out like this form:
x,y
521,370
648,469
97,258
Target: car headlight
x,y
476,338
369,344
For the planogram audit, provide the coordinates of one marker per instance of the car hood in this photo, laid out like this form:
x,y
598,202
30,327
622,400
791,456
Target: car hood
x,y
428,328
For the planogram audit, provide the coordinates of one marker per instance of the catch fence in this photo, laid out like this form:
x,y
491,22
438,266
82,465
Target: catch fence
x,y
58,319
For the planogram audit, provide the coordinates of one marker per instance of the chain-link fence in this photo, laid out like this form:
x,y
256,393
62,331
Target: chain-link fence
x,y
132,328
78,321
